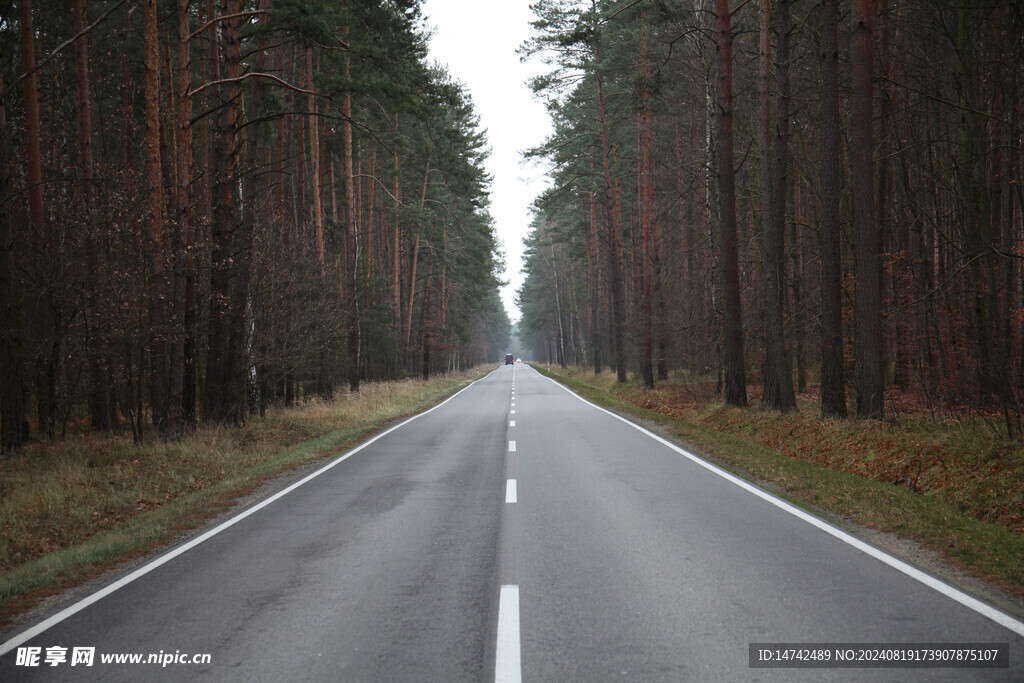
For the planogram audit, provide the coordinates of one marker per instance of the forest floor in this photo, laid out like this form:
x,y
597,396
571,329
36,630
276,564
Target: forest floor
x,y
70,510
926,477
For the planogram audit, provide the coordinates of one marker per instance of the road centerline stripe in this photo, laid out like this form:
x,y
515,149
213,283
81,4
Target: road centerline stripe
x,y
511,446
511,494
507,666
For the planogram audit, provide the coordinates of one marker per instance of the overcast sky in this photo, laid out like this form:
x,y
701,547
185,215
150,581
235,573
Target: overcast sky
x,y
477,41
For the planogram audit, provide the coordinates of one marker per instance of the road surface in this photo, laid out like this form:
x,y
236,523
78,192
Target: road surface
x,y
514,532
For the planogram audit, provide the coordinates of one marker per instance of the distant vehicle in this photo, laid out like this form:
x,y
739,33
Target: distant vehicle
x,y
509,359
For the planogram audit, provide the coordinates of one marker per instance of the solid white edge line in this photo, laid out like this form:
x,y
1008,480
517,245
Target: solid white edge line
x,y
71,610
507,665
511,494
949,591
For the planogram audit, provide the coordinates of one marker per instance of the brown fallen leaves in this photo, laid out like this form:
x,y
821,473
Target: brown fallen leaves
x,y
954,456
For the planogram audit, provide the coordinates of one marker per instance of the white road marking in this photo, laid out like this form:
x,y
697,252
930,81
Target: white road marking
x,y
77,607
507,666
510,491
511,446
512,412
511,423
978,606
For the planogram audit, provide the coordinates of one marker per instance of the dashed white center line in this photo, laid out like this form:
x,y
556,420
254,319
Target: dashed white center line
x,y
511,446
511,423
507,667
510,491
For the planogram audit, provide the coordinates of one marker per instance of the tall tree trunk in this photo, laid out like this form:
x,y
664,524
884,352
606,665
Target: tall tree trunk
x,y
413,261
253,205
242,234
594,280
155,207
33,134
799,308
98,390
183,380
371,185
778,382
46,409
181,226
977,222
425,330
645,200
833,373
14,426
224,398
735,374
314,163
869,370
555,270
396,262
352,237
614,234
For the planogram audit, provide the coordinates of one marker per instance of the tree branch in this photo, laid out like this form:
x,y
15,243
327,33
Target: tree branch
x,y
70,41
251,74
213,21
379,182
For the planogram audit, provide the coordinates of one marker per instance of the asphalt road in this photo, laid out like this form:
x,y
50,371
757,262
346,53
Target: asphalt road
x,y
514,532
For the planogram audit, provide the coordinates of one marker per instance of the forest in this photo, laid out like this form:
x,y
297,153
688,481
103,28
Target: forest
x,y
784,194
209,206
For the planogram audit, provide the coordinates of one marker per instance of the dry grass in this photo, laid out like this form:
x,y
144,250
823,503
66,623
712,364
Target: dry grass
x,y
91,500
960,462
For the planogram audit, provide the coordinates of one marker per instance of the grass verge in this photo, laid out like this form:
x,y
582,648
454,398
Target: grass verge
x,y
71,510
859,485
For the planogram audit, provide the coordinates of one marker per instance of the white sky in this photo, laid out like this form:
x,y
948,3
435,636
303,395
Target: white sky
x,y
477,41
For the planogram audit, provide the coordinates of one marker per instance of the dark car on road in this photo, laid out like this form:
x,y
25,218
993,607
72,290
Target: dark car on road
x,y
509,359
